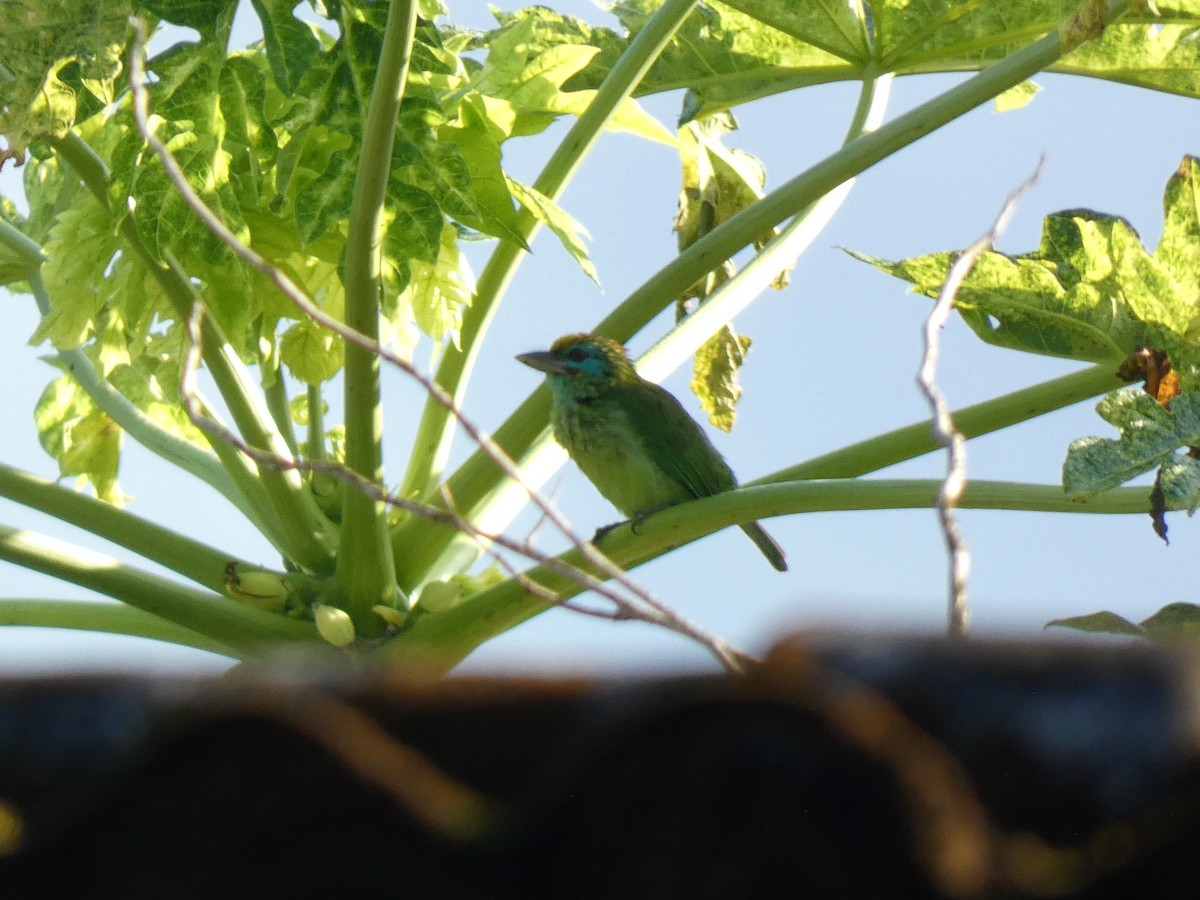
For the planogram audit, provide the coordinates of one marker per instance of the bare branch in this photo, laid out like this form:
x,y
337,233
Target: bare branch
x,y
944,430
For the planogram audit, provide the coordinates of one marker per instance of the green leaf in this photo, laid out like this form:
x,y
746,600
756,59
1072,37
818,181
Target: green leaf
x,y
439,292
1099,623
483,124
291,44
138,384
48,47
80,249
531,74
1150,435
413,225
1173,620
715,375
311,353
568,231
827,24
249,138
206,16
727,56
437,165
1179,248
84,440
1090,291
1017,96
1179,480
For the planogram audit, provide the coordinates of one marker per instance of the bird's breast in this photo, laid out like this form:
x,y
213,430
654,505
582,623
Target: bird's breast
x,y
610,451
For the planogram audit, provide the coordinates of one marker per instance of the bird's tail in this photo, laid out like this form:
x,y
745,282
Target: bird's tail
x,y
765,543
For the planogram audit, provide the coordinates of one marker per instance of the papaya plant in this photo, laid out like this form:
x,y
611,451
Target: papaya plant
x,y
226,244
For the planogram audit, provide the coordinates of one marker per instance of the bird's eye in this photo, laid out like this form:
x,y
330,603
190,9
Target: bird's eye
x,y
576,354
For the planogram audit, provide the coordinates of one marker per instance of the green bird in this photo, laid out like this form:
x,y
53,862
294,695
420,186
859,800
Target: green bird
x,y
630,437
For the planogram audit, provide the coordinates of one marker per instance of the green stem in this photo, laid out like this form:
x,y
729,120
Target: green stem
x,y
478,476
916,440
436,429
314,436
192,559
365,569
19,242
439,642
111,618
239,626
281,414
302,532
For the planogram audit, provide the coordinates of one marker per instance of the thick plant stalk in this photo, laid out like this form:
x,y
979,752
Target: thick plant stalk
x,y
109,618
192,559
365,570
917,439
439,642
238,625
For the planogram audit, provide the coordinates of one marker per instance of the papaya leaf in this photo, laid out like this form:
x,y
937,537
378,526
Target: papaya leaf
x,y
311,353
531,74
1090,291
40,41
206,16
81,246
1098,623
290,44
1175,620
1150,435
84,440
1016,97
715,375
726,54
568,231
438,293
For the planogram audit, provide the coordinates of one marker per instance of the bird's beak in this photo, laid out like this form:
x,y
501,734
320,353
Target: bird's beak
x,y
544,361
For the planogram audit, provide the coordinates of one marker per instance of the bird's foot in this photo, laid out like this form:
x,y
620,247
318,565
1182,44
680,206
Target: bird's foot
x,y
603,530
634,522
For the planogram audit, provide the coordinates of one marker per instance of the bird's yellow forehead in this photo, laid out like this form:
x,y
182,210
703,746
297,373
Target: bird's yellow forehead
x,y
568,340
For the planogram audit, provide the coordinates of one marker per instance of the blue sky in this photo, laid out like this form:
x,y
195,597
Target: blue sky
x,y
834,361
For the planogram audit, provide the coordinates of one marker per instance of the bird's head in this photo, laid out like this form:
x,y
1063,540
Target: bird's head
x,y
582,360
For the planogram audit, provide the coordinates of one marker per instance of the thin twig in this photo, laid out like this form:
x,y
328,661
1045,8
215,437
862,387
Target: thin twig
x,y
944,430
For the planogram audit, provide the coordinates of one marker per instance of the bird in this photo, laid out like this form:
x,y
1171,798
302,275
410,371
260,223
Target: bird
x,y
632,439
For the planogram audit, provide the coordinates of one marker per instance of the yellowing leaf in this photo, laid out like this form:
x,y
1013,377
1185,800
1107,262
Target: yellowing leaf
x,y
81,246
84,440
438,293
1017,96
568,231
311,353
714,375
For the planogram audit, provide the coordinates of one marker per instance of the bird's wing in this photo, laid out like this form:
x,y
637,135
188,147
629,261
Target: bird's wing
x,y
673,440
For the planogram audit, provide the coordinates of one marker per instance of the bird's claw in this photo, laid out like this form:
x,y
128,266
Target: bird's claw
x,y
634,522
603,530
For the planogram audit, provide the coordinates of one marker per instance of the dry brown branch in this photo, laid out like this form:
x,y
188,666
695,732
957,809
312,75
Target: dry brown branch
x,y
944,430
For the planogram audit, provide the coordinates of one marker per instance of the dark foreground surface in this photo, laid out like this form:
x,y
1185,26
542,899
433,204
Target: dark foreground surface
x,y
884,769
